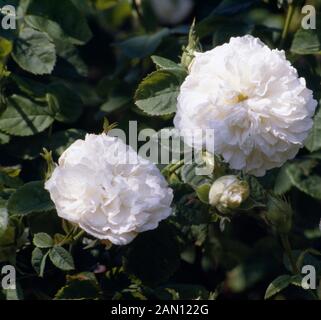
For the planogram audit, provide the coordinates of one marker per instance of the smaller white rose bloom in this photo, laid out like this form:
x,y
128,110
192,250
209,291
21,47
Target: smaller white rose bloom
x,y
172,11
228,193
106,188
250,101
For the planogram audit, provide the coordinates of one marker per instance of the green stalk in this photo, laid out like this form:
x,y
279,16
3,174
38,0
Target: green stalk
x,y
287,23
287,248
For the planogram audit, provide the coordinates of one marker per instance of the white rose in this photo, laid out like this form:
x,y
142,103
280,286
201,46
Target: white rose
x,y
172,11
252,99
96,187
228,192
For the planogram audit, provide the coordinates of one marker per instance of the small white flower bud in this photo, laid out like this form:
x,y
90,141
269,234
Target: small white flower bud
x,y
228,193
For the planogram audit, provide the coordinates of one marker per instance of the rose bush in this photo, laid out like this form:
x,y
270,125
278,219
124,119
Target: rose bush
x,y
236,218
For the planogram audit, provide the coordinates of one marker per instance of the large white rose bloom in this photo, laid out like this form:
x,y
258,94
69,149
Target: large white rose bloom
x,y
96,186
252,99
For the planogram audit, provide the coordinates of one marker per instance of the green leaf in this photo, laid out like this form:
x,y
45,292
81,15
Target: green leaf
x,y
4,138
202,192
32,197
34,52
301,176
43,240
8,181
5,47
313,142
163,63
23,117
38,260
64,102
80,286
278,285
225,30
61,140
71,64
142,46
157,93
306,42
61,258
114,103
63,22
283,182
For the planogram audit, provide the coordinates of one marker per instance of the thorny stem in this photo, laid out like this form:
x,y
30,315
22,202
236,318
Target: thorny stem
x,y
287,248
287,23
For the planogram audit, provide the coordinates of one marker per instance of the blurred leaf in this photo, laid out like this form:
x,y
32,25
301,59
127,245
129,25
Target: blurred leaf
x,y
104,4
32,197
5,47
306,42
63,22
224,31
73,63
9,181
313,142
24,117
250,272
231,7
283,182
114,103
142,46
64,102
34,52
303,258
61,140
4,138
301,176
61,258
226,9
